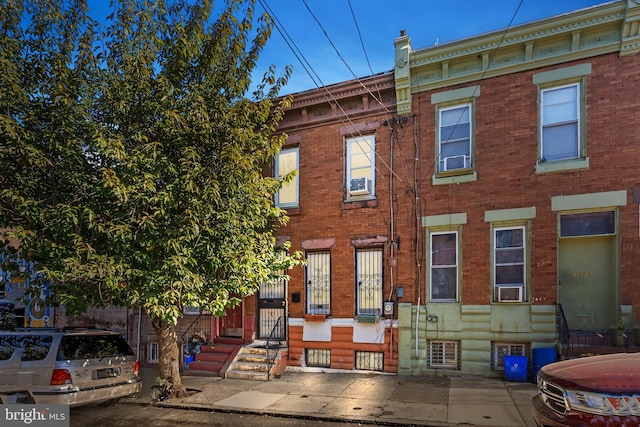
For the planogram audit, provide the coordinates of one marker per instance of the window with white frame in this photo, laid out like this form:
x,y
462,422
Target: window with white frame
x,y
560,123
152,352
443,354
288,161
369,281
455,138
509,264
444,266
318,279
500,350
360,172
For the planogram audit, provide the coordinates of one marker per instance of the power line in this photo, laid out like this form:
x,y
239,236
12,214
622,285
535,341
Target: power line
x,y
341,57
328,95
289,41
484,72
364,50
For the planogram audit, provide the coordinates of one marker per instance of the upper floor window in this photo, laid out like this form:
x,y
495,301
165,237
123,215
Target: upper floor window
x,y
560,123
360,172
318,277
454,142
509,264
562,118
288,161
455,135
444,266
369,281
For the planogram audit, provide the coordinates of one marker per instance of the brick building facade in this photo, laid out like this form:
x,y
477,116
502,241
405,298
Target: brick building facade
x,y
339,140
528,174
503,200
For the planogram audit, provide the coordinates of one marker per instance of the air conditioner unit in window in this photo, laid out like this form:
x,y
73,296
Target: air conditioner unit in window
x,y
454,162
359,186
510,294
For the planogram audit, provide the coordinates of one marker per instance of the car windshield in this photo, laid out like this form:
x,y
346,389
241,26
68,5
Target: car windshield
x,y
75,347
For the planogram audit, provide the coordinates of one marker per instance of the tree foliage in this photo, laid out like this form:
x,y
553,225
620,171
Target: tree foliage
x,y
132,158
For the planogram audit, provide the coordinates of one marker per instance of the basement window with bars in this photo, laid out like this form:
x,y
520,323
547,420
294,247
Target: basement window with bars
x,y
500,350
318,357
369,361
444,354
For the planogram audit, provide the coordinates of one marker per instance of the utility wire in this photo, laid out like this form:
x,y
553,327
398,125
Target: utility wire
x,y
341,57
364,50
328,95
470,101
291,44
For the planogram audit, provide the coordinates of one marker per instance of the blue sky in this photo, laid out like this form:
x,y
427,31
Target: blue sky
x,y
427,22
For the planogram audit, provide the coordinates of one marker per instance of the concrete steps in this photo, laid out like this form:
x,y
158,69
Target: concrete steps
x,y
252,363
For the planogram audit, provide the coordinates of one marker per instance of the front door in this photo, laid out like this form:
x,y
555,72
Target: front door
x,y
272,310
586,286
231,322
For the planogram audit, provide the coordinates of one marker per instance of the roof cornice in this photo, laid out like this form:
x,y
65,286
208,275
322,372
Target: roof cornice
x,y
606,28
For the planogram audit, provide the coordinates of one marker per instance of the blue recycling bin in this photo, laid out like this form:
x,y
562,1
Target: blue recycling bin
x,y
515,368
542,356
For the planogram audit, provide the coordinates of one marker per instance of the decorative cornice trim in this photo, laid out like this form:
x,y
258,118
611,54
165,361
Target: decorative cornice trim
x,y
604,29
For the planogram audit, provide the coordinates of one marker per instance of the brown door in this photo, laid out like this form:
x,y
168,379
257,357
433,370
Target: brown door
x,y
232,322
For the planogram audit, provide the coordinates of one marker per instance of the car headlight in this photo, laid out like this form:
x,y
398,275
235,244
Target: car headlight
x,y
602,404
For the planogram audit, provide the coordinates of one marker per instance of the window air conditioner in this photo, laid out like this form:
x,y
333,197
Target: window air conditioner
x,y
360,186
454,162
510,293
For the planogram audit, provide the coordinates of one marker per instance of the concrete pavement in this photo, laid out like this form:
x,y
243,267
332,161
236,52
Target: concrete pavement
x,y
368,398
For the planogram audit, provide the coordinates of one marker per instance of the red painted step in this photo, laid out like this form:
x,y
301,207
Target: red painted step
x,y
228,340
207,348
212,357
205,366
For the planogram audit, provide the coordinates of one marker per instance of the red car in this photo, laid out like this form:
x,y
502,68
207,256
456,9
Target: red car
x,y
589,391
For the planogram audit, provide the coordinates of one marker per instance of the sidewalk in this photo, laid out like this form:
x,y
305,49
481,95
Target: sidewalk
x,y
370,398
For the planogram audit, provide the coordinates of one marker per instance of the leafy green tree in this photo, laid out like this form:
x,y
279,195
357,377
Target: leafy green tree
x,y
132,160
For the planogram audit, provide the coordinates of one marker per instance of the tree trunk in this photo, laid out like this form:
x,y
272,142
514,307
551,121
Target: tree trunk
x,y
169,358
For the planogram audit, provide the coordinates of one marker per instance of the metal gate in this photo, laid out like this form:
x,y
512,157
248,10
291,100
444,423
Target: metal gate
x,y
272,305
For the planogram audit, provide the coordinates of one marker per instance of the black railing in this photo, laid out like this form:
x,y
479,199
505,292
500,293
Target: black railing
x,y
272,357
200,325
563,332
578,342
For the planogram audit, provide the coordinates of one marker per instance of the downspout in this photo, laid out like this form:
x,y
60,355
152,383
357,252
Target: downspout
x,y
391,227
391,211
417,214
138,339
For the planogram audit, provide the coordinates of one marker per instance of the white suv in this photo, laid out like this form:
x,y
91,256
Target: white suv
x,y
66,366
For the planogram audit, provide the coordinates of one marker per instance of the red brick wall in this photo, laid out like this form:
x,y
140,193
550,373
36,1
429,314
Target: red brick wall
x,y
506,149
343,349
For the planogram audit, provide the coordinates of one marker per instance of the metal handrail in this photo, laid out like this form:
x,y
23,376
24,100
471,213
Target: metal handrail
x,y
202,322
564,333
271,359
